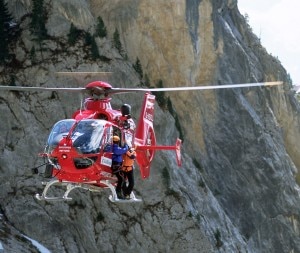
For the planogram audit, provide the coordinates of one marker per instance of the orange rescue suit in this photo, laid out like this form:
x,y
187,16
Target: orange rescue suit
x,y
128,160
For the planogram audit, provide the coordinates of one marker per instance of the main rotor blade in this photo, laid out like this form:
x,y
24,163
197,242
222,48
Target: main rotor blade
x,y
108,91
209,87
22,88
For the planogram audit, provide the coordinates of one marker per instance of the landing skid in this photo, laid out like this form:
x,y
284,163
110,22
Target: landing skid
x,y
44,196
87,186
70,187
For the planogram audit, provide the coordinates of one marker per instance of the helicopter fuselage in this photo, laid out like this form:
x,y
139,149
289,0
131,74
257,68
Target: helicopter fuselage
x,y
79,150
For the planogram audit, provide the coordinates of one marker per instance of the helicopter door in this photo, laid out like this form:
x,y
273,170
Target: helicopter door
x,y
128,137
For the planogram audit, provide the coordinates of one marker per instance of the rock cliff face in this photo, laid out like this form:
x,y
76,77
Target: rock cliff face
x,y
237,190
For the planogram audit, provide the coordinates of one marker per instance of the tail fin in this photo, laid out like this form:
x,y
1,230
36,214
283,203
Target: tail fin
x,y
145,138
145,135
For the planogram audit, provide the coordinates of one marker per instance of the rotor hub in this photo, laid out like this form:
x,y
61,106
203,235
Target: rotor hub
x,y
98,88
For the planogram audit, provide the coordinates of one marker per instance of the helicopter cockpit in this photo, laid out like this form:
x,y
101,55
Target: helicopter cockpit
x,y
86,134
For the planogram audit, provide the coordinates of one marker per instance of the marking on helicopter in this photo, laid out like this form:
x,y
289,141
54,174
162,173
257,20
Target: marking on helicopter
x,y
105,174
149,105
63,147
149,116
106,161
64,150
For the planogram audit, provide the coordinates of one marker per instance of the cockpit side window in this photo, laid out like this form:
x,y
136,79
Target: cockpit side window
x,y
60,130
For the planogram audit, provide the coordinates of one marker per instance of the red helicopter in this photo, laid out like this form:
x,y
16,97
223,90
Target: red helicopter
x,y
78,150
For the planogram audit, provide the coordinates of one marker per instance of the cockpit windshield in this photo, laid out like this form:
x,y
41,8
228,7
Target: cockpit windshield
x,y
60,130
86,135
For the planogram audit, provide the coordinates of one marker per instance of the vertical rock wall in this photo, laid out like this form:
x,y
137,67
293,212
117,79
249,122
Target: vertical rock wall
x,y
237,190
